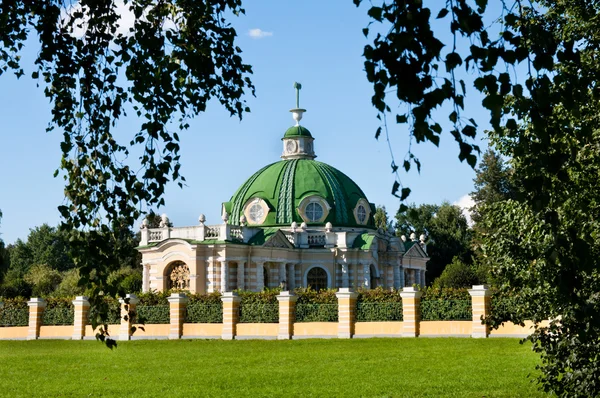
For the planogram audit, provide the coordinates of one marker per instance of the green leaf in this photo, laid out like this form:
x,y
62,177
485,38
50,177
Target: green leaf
x,y
443,12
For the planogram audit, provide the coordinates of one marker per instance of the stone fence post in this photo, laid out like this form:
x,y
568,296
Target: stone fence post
x,y
177,306
126,310
81,306
480,301
346,312
287,314
36,312
411,310
231,314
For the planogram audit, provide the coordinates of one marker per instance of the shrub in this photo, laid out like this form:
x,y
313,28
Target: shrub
x,y
204,308
259,307
14,312
14,285
127,279
316,306
153,314
378,305
59,311
457,274
446,304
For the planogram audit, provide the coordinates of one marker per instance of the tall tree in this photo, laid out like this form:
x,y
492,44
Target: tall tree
x,y
537,71
493,183
448,234
381,218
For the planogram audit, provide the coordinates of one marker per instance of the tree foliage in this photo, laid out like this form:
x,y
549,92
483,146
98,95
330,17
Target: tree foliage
x,y
535,66
164,69
447,231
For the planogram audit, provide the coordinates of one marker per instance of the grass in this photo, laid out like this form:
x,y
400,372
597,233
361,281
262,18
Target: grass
x,y
331,368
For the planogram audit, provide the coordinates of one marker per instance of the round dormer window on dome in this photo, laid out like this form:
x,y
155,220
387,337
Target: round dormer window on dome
x,y
362,211
256,211
313,209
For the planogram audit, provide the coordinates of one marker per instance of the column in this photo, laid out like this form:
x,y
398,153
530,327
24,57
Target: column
x,y
366,276
291,276
411,303
211,276
145,278
81,306
177,305
224,272
260,276
345,276
417,277
287,315
397,269
231,314
282,275
127,310
423,278
240,275
480,301
346,312
36,312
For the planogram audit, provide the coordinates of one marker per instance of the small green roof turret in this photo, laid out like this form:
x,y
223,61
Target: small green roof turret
x,y
297,131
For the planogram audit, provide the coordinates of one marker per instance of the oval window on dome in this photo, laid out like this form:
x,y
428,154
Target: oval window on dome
x,y
362,211
361,214
314,211
256,211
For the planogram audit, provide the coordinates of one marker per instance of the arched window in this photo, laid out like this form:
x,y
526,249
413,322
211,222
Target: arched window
x,y
317,278
178,276
373,276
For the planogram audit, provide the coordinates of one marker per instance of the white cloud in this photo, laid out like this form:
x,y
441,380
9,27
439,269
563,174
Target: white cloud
x,y
465,203
259,33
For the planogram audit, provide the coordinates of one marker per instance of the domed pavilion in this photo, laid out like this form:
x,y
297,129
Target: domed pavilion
x,y
294,223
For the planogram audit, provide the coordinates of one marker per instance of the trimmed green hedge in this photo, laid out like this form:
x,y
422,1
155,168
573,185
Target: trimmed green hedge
x,y
446,304
259,307
15,312
378,305
204,308
153,314
59,311
316,306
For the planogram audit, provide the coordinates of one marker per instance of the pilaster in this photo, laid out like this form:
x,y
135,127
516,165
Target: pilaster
x,y
81,306
128,305
287,314
411,310
231,314
260,276
36,312
177,306
240,275
224,276
480,301
346,312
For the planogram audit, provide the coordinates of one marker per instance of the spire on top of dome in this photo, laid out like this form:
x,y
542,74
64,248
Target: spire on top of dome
x,y
297,111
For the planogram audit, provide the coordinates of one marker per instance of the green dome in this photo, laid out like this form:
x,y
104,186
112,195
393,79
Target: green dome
x,y
297,131
285,184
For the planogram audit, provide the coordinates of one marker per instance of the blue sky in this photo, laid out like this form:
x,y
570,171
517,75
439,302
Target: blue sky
x,y
317,43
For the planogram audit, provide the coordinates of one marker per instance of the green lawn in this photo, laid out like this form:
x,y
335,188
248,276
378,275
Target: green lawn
x,y
336,368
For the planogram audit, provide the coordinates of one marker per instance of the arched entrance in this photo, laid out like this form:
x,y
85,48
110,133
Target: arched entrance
x,y
372,277
177,276
317,278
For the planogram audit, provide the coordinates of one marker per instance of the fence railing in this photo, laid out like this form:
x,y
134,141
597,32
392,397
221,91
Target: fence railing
x,y
379,312
153,314
446,310
259,313
204,313
230,309
309,312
